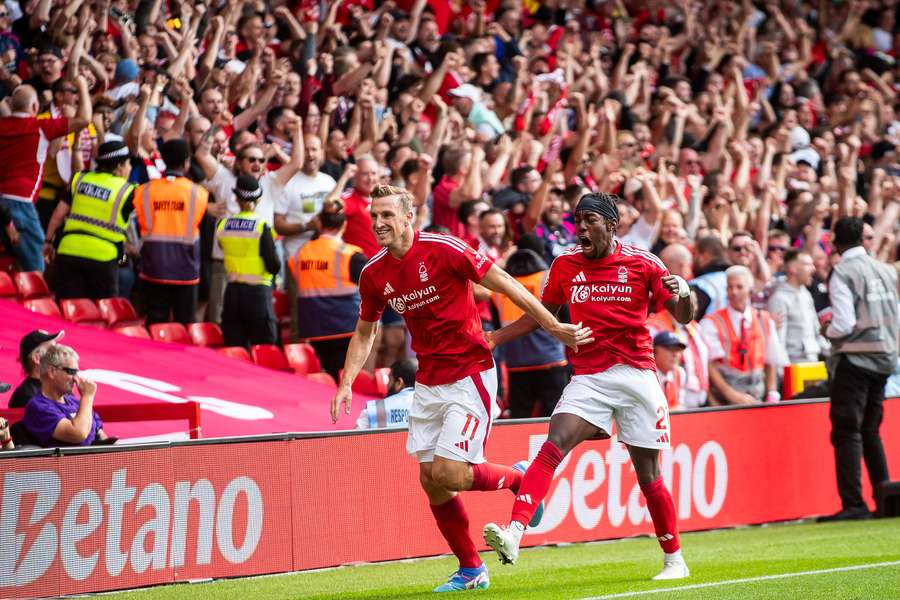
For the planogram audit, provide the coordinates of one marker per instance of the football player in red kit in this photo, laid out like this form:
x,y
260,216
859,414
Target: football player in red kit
x,y
427,278
610,287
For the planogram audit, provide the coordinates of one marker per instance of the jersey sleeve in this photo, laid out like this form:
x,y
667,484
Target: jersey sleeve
x,y
468,262
659,294
54,128
552,292
371,301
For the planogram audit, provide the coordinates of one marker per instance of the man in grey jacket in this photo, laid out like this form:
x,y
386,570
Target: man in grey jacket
x,y
792,307
863,333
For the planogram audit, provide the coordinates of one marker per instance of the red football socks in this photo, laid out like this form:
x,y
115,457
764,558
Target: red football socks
x,y
662,511
488,477
536,482
453,521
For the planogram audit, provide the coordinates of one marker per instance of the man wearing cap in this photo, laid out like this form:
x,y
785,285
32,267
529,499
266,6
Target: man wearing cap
x,y
93,237
467,100
667,351
610,288
251,262
169,212
31,349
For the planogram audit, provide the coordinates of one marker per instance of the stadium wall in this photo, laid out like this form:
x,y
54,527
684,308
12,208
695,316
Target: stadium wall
x,y
87,520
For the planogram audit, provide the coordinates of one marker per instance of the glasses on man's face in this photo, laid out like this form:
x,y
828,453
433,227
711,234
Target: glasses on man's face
x,y
67,370
69,90
744,248
780,249
255,159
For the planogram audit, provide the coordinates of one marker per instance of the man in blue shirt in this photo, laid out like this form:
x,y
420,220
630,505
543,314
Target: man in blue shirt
x,y
393,411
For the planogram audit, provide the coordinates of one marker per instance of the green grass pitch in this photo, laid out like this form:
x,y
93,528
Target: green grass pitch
x,y
782,554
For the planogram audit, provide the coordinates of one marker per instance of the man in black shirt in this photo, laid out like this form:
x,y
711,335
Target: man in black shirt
x,y
31,349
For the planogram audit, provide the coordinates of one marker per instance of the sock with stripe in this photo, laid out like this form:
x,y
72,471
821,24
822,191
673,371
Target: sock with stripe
x,y
453,521
662,512
488,477
536,482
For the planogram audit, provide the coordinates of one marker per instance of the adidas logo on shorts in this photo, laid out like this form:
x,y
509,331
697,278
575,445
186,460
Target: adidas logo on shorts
x,y
463,445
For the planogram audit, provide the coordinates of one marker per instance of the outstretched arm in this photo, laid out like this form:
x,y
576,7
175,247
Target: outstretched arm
x,y
500,281
360,347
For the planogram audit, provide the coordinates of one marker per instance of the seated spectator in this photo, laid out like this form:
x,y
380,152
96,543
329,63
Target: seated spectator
x,y
6,441
667,351
31,349
55,417
744,349
393,410
792,307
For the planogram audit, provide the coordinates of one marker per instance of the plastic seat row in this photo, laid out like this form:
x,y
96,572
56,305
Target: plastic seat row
x,y
25,285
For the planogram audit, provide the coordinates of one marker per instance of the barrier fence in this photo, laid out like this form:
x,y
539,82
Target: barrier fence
x,y
87,520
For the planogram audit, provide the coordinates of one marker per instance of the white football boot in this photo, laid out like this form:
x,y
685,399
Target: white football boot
x,y
505,540
673,568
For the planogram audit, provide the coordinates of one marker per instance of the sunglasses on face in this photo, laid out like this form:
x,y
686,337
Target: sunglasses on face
x,y
740,248
781,249
255,159
67,370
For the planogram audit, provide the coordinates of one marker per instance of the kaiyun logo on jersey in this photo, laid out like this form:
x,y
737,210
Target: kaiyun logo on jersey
x,y
414,300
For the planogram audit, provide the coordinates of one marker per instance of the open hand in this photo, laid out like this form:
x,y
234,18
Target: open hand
x,y
343,395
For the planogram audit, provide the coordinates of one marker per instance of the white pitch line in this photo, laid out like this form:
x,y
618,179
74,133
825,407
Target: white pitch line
x,y
697,586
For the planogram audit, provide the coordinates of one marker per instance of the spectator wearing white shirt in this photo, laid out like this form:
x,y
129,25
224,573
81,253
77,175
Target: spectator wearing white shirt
x,y
744,350
393,410
793,308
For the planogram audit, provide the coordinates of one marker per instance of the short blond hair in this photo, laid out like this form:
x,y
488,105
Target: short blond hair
x,y
403,196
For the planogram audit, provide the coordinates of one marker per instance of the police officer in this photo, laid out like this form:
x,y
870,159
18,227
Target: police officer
x,y
327,272
250,264
169,211
863,333
536,362
93,237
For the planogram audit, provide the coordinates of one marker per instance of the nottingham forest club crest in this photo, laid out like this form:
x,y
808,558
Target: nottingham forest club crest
x,y
623,275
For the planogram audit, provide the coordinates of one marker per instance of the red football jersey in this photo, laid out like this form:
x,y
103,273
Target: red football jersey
x,y
431,287
613,296
359,222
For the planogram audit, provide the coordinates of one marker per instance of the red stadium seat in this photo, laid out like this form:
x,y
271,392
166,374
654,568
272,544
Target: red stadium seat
x,y
172,333
135,331
118,311
7,263
43,306
302,358
238,352
382,378
206,335
31,285
282,305
7,287
365,383
323,378
269,356
82,311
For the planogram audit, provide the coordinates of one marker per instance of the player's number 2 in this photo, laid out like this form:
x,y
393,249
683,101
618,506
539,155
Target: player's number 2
x,y
662,411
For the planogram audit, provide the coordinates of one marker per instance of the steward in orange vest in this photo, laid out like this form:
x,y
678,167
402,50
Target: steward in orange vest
x,y
327,271
667,351
694,360
169,212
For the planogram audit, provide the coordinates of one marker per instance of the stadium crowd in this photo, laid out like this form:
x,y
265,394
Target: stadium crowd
x,y
735,134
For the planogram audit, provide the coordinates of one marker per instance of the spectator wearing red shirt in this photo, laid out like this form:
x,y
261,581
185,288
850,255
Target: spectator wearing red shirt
x,y
24,141
356,207
461,182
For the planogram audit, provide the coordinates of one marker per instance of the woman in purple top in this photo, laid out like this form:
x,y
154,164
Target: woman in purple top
x,y
55,417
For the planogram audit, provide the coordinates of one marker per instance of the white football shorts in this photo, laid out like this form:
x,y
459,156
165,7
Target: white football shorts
x,y
630,397
453,420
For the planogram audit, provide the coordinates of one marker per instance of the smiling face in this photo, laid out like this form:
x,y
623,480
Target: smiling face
x,y
390,222
595,233
366,177
251,161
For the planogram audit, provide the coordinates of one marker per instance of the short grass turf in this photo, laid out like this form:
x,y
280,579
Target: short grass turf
x,y
619,567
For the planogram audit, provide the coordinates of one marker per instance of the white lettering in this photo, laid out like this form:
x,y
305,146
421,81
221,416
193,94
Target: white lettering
x,y
224,531
154,495
34,564
202,491
117,496
710,507
582,487
680,456
615,458
77,566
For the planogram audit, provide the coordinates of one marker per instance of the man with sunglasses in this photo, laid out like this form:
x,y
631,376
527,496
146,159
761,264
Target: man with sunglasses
x,y
55,417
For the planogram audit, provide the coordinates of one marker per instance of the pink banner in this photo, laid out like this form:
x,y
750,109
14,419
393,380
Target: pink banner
x,y
237,398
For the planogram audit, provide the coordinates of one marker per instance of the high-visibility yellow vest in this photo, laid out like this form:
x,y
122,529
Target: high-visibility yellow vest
x,y
95,227
239,236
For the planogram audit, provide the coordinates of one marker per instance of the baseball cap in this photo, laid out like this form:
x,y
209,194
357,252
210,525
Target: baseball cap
x,y
799,138
34,339
807,155
127,70
667,339
467,90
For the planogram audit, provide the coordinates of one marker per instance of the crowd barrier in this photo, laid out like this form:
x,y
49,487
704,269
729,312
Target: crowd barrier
x,y
86,520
